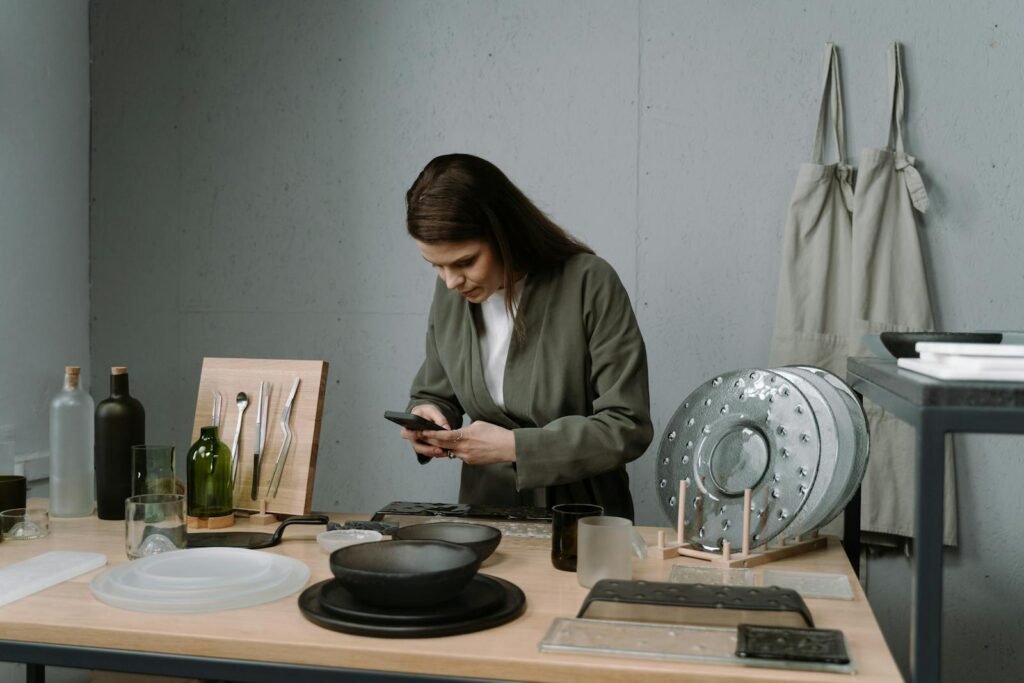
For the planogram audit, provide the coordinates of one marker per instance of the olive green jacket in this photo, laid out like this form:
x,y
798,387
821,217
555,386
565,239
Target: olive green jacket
x,y
576,392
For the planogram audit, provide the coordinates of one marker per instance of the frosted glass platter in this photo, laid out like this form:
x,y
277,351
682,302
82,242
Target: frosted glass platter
x,y
197,568
121,587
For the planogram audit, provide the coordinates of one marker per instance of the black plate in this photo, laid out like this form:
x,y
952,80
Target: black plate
x,y
903,344
513,605
479,597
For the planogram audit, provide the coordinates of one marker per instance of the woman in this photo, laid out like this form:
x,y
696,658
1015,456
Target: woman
x,y
532,336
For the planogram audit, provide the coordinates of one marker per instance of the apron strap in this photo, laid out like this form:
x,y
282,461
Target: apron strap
x,y
904,162
832,103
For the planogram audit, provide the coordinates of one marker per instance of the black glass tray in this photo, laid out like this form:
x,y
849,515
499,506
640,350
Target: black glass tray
x,y
512,604
695,603
520,512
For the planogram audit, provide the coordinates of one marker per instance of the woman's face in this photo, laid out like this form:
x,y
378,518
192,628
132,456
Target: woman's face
x,y
472,267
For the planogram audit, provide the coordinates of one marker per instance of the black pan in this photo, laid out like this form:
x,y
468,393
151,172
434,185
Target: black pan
x,y
253,540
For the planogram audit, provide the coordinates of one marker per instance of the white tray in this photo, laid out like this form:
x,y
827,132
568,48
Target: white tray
x,y
30,576
944,371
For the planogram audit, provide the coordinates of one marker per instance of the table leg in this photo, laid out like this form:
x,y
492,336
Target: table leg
x,y
35,673
926,606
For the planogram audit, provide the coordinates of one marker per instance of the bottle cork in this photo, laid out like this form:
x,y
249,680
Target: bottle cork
x,y
119,370
72,370
71,374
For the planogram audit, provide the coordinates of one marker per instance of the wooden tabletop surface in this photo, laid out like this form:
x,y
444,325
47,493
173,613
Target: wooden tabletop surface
x,y
68,614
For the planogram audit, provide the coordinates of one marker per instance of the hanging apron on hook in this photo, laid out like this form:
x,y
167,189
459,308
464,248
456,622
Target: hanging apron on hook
x,y
890,293
812,309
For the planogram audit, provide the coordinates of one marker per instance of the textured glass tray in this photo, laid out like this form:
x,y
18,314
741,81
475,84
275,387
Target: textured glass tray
x,y
807,584
810,584
712,576
662,642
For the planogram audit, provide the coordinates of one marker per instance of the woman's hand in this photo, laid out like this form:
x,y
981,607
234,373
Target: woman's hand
x,y
434,414
481,443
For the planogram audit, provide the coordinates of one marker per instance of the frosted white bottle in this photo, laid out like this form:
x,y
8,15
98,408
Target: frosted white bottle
x,y
72,476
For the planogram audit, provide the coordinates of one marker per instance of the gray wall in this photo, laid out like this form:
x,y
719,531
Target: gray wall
x,y
44,216
250,161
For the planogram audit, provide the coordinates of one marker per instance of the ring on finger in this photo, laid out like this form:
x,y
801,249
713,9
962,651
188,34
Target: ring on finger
x,y
451,454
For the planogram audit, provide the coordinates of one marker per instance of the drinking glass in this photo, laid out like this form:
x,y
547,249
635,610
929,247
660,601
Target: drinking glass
x,y
605,550
564,519
24,524
154,523
13,489
152,469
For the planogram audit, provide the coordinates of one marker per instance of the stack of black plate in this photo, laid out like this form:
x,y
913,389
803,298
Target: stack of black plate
x,y
484,603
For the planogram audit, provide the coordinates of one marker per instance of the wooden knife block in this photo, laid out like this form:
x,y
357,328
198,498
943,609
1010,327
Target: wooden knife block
x,y
232,375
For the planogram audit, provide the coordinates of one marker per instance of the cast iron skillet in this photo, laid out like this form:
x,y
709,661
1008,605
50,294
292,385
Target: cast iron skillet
x,y
253,540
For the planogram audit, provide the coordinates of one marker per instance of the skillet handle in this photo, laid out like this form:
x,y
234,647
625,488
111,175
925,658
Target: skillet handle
x,y
312,519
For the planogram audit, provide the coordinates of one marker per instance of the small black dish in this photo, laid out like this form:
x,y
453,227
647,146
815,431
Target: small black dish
x,y
480,538
477,598
404,573
512,605
903,344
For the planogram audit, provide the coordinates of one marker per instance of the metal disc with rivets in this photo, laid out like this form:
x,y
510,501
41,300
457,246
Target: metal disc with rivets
x,y
740,430
853,436
826,486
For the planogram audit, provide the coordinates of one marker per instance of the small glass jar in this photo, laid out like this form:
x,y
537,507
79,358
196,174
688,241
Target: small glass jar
x,y
209,482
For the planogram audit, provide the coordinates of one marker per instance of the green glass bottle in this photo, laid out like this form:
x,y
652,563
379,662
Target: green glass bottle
x,y
209,479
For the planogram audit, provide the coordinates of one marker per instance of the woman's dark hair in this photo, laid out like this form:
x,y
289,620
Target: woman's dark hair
x,y
459,197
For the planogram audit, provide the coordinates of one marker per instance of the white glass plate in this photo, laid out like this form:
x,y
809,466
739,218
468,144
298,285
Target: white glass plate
x,y
203,568
287,576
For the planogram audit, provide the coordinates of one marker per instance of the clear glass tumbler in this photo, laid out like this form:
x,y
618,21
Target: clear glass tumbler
x,y
152,469
154,523
24,524
605,550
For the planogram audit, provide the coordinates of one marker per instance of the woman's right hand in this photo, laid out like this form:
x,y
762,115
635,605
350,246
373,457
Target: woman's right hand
x,y
434,414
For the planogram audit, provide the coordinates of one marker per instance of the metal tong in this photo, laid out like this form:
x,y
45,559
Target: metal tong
x,y
262,404
218,402
282,456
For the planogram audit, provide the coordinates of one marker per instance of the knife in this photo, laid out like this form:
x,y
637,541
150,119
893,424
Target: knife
x,y
261,435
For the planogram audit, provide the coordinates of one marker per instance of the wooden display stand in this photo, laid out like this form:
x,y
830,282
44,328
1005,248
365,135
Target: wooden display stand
x,y
727,558
228,377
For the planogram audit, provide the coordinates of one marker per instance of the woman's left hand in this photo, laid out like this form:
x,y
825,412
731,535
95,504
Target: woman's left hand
x,y
481,443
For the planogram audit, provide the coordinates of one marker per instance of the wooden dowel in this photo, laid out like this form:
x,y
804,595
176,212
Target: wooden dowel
x,y
726,550
682,512
746,521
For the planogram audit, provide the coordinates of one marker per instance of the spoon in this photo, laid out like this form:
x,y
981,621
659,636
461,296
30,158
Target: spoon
x,y
243,402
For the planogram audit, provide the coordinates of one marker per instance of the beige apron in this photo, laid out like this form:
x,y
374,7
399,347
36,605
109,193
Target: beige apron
x,y
890,293
812,310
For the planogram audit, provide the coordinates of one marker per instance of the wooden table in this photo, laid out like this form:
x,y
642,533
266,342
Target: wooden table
x,y
66,626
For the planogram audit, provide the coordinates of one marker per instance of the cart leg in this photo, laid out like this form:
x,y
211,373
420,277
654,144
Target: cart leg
x,y
926,606
35,673
851,532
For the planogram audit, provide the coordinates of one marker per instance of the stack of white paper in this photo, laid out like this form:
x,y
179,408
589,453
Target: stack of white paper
x,y
985,362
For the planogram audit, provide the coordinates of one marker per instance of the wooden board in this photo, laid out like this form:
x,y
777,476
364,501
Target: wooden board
x,y
232,375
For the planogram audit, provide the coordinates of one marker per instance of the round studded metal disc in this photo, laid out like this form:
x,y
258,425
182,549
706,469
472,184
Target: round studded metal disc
x,y
739,430
826,487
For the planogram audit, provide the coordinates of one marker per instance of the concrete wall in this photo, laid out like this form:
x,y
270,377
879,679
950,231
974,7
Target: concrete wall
x,y
250,161
44,216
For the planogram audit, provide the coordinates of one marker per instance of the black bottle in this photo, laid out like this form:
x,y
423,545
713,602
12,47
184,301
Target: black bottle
x,y
120,424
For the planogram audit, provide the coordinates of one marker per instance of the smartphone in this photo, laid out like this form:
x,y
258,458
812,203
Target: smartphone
x,y
410,421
